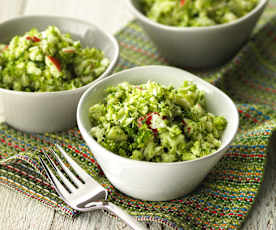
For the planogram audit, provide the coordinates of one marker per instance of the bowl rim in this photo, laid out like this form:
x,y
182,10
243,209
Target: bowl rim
x,y
109,69
145,19
85,133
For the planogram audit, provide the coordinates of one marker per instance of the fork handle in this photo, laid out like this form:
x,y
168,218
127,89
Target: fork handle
x,y
128,219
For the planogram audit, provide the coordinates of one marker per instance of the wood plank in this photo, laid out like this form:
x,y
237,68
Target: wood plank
x,y
92,220
263,213
20,213
95,220
110,16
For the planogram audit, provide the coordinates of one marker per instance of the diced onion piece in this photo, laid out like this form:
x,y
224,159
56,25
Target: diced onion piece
x,y
69,50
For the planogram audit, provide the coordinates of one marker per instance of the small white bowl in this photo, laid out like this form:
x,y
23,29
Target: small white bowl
x,y
147,180
199,46
52,111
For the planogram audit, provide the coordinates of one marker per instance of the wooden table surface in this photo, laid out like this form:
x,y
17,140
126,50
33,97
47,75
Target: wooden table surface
x,y
20,213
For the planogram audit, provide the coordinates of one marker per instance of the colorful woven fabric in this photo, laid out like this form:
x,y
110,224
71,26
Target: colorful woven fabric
x,y
226,195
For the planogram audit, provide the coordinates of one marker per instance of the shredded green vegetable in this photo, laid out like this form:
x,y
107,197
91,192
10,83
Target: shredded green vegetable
x,y
186,13
151,122
48,61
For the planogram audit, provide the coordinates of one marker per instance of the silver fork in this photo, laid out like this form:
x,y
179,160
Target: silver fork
x,y
83,194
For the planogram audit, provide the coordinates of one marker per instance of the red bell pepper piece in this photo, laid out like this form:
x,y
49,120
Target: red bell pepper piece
x,y
139,121
6,47
33,38
182,2
148,122
55,62
36,39
185,124
148,119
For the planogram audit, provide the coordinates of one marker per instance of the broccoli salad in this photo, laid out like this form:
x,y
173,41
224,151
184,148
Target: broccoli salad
x,y
156,123
188,13
48,61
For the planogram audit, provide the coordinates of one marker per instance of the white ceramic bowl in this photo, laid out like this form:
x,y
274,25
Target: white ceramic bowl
x,y
199,46
156,181
52,111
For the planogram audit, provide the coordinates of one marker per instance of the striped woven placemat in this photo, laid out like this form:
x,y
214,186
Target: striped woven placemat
x,y
225,197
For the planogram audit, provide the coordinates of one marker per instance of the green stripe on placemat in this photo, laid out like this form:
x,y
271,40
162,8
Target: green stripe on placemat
x,y
224,198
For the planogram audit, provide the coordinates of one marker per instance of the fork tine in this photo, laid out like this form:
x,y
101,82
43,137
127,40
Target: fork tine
x,y
74,165
56,183
67,170
90,196
67,183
